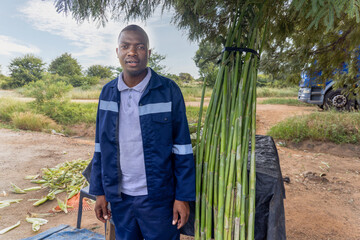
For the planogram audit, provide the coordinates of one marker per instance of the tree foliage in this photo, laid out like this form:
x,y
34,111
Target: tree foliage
x,y
65,65
155,60
206,59
24,70
99,71
325,33
299,32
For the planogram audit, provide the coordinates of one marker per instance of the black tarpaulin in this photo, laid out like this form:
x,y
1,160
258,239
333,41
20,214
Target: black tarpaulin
x,y
270,192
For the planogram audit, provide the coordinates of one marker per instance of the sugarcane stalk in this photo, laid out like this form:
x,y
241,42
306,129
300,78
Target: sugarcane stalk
x,y
210,191
225,193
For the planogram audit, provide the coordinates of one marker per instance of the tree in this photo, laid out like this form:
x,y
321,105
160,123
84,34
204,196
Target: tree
x,y
24,70
99,71
298,31
186,77
65,65
155,62
298,41
206,59
115,71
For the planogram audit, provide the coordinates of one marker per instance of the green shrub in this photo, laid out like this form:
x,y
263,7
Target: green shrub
x,y
70,113
47,90
9,106
322,126
5,82
32,121
78,81
99,71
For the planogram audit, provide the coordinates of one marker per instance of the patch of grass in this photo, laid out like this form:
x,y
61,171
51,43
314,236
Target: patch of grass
x,y
192,114
8,106
337,127
194,92
285,101
70,113
34,122
277,92
78,93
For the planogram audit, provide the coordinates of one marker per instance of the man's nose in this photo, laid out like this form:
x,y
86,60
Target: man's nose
x,y
132,51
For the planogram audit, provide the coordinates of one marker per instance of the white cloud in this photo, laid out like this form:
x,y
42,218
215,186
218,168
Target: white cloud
x,y
10,45
97,45
91,41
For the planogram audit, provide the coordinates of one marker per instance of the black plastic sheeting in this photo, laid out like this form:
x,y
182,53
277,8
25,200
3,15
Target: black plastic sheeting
x,y
270,193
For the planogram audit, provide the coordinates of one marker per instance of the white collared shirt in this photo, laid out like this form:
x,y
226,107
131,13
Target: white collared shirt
x,y
133,181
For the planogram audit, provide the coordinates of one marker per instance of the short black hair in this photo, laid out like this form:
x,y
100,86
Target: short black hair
x,y
135,28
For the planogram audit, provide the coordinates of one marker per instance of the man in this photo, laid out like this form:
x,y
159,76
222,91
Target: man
x,y
143,161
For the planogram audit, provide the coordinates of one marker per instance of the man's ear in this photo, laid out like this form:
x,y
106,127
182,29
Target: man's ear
x,y
149,52
117,52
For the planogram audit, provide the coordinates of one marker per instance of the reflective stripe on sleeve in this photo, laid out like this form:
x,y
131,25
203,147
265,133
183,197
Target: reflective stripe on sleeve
x,y
154,108
182,149
109,106
97,147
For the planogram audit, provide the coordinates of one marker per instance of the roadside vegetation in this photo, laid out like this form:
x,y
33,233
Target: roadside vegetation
x,y
285,101
332,126
277,92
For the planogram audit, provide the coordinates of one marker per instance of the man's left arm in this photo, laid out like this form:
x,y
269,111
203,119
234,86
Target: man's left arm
x,y
184,165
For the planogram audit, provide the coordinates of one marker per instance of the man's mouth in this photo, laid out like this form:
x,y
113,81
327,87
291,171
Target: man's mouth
x,y
132,62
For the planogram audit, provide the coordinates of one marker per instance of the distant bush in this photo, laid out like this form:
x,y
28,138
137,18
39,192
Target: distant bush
x,y
44,91
323,126
65,65
5,82
9,106
78,81
32,121
70,113
24,70
99,71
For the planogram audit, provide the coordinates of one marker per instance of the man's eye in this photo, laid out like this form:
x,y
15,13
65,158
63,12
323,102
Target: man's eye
x,y
141,47
124,47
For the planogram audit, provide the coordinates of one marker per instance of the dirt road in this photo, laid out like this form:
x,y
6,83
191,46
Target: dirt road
x,y
322,198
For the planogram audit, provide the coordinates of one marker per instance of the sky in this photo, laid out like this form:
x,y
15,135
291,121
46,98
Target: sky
x,y
34,27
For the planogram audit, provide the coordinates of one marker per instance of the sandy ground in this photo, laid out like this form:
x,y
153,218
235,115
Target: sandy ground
x,y
326,207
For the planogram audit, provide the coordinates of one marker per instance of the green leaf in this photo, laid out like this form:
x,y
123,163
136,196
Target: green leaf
x,y
5,230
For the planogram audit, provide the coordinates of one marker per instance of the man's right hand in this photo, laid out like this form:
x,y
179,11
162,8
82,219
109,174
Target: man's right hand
x,y
101,210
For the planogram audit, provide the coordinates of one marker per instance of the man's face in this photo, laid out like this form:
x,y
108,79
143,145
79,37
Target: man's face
x,y
133,52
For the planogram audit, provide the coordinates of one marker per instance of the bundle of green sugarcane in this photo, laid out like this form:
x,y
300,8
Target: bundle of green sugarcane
x,y
225,193
65,177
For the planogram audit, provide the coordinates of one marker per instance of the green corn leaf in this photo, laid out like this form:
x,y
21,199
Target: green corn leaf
x,y
32,189
41,201
36,223
16,189
31,177
5,230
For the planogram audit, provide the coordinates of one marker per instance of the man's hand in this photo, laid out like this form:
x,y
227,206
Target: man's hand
x,y
101,210
180,208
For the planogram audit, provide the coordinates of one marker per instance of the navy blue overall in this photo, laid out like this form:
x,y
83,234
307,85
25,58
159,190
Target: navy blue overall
x,y
168,156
